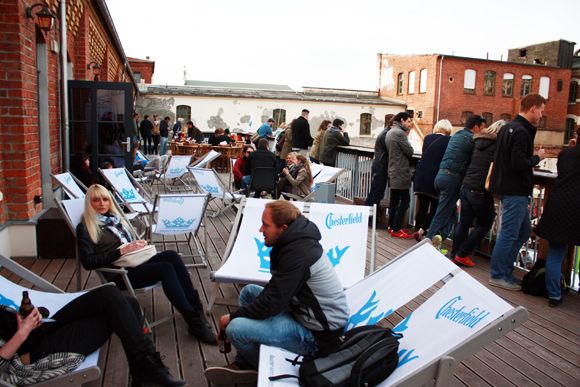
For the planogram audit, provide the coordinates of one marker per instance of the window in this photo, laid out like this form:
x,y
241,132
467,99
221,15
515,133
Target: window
x,y
423,81
488,117
508,85
365,123
573,92
465,116
523,53
279,116
183,111
506,117
489,83
542,123
569,134
137,76
388,119
469,82
400,82
412,82
545,87
526,85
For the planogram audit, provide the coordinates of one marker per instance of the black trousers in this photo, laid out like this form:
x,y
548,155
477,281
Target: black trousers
x,y
425,212
156,141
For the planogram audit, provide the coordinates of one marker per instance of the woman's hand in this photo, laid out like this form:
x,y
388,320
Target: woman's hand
x,y
133,246
30,323
285,170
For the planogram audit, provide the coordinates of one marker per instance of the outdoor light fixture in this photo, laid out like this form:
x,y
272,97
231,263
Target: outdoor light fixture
x,y
96,68
45,17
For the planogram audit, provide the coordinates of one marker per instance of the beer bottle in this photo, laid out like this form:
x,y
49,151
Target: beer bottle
x,y
26,306
224,345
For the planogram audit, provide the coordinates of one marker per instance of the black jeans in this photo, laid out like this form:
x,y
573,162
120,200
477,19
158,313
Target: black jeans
x,y
147,144
398,205
89,320
156,141
426,210
380,177
168,268
476,205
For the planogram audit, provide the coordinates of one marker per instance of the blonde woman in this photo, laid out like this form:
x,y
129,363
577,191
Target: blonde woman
x,y
434,147
103,236
315,150
303,181
476,202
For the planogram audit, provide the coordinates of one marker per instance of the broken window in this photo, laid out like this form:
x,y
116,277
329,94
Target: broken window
x,y
489,83
508,85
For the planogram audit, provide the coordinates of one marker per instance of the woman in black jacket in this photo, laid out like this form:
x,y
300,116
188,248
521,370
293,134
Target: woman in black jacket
x,y
80,168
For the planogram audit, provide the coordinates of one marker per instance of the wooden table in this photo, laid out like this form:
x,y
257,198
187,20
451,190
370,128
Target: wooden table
x,y
226,153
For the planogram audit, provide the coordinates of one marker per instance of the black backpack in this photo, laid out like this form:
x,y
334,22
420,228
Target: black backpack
x,y
534,282
364,356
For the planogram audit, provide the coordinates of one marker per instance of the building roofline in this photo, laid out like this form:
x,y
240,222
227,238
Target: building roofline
x,y
480,59
538,44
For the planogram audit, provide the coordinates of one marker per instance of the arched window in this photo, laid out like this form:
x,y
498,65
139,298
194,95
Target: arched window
x,y
279,116
489,83
400,83
366,120
464,116
423,81
545,87
183,111
488,117
469,82
508,85
412,82
506,117
526,85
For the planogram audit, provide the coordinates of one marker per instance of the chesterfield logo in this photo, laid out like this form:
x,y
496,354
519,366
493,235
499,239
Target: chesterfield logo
x,y
264,255
351,219
210,189
335,260
176,171
128,195
405,355
8,302
67,179
119,173
364,314
173,200
452,312
178,223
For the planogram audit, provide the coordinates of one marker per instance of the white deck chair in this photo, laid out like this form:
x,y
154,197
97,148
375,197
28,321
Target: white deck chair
x,y
320,174
54,299
70,184
203,161
179,214
209,182
72,211
172,173
461,318
248,260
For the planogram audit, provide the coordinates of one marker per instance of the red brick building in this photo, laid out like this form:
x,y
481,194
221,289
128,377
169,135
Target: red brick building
x,y
143,69
573,116
439,87
31,112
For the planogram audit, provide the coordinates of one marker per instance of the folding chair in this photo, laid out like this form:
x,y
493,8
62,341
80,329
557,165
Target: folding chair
x,y
70,184
209,182
72,211
247,259
204,160
462,317
179,214
263,179
174,170
54,299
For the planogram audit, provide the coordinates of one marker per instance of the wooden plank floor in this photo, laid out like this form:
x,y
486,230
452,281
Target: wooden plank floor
x,y
545,351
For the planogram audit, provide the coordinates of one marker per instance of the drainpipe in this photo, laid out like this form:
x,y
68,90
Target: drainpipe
x,y
64,88
439,91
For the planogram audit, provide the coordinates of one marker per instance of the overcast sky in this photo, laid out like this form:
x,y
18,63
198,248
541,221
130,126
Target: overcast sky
x,y
326,43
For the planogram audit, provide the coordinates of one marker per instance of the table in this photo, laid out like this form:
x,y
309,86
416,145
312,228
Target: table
x,y
226,153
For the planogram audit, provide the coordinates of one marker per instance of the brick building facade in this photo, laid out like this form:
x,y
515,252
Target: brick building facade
x,y
143,69
30,99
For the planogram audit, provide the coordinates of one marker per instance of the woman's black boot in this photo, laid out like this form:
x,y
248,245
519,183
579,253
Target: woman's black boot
x,y
154,372
197,327
199,308
135,370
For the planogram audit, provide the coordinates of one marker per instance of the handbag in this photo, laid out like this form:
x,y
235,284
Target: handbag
x,y
255,137
488,178
137,257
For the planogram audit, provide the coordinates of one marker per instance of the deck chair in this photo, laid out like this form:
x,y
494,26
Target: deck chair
x,y
179,214
70,184
209,182
203,161
47,295
320,174
263,179
72,211
459,319
172,173
247,260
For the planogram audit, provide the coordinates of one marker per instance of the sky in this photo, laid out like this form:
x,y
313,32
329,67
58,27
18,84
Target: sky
x,y
322,43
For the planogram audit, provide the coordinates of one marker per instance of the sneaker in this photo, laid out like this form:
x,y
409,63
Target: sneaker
x,y
444,252
436,241
401,234
391,230
553,303
235,373
504,284
464,261
418,237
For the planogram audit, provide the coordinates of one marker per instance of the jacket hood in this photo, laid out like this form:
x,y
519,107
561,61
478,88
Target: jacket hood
x,y
299,231
397,124
491,136
483,140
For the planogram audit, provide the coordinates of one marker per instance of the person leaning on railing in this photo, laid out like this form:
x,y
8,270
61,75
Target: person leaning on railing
x,y
333,137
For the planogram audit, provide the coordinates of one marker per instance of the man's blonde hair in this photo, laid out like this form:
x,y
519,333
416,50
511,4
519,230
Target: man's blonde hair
x,y
283,212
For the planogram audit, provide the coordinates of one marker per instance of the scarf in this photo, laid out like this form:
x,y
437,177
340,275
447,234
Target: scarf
x,y
113,223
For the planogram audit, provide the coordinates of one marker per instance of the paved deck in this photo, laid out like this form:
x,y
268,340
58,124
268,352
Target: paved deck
x,y
544,351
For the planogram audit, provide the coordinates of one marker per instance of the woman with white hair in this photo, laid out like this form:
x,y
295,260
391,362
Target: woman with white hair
x,y
476,202
104,236
178,127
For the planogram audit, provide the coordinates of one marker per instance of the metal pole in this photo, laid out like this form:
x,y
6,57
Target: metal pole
x,y
65,153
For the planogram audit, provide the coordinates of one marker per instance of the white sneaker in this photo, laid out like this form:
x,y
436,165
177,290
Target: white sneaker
x,y
504,284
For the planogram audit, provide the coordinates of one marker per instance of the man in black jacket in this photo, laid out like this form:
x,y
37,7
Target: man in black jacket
x,y
512,178
261,157
302,306
145,128
379,171
301,138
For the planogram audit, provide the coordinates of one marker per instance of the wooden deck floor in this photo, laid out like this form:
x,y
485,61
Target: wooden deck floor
x,y
544,351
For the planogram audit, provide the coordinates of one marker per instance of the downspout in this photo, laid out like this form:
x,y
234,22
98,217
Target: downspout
x,y
439,92
64,88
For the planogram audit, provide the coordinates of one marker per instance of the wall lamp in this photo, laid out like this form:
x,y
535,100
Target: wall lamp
x,y
45,17
96,69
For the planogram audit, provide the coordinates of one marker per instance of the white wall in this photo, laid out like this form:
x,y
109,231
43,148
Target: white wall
x,y
18,241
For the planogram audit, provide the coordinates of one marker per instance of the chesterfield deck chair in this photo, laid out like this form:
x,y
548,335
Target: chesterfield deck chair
x,y
178,214
203,161
247,259
72,211
209,182
47,295
70,184
459,319
320,174
172,175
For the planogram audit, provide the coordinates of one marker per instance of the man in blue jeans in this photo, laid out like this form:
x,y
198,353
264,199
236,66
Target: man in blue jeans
x,y
448,180
512,178
302,306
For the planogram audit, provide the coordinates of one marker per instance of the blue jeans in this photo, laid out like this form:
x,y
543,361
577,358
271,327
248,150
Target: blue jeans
x,y
448,188
398,206
380,177
554,269
282,331
476,205
515,231
163,146
246,180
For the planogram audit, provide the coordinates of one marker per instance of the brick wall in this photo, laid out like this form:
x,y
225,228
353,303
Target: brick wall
x,y
145,67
